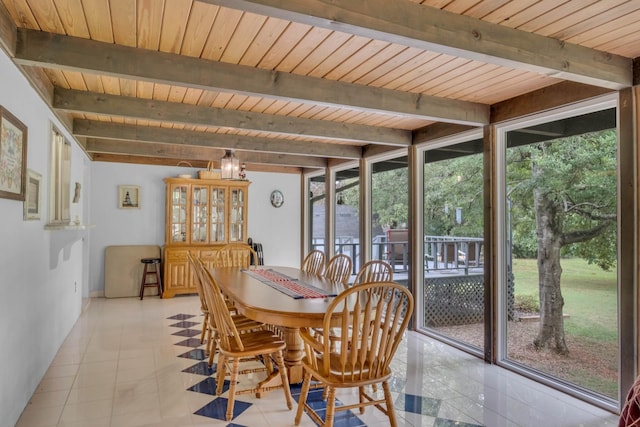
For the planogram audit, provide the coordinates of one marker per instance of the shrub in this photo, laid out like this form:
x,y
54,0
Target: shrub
x,y
527,303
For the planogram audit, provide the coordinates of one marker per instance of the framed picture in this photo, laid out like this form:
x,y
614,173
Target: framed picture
x,y
13,156
32,197
129,197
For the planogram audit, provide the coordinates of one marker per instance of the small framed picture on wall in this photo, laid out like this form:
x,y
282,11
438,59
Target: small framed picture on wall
x,y
129,197
32,196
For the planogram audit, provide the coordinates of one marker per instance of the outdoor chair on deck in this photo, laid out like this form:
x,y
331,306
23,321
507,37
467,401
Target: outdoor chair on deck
x,y
339,269
314,262
369,320
235,347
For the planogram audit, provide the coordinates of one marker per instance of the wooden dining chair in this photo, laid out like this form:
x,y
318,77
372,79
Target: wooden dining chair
x,y
236,255
241,322
206,331
235,347
371,319
374,271
314,262
339,269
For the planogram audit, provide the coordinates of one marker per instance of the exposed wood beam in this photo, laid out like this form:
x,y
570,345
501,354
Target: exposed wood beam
x,y
375,150
96,129
40,83
148,109
184,152
411,24
58,51
437,131
161,161
8,31
544,99
636,71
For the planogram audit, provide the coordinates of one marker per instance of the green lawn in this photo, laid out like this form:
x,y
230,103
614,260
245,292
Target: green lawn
x,y
589,293
590,296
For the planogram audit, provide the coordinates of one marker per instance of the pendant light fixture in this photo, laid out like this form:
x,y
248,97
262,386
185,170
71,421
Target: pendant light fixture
x,y
229,166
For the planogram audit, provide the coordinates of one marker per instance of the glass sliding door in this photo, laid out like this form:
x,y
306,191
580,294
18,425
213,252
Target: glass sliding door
x,y
453,286
347,214
317,212
390,214
559,298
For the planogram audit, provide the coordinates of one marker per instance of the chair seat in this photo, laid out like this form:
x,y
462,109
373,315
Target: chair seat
x,y
244,323
255,343
344,377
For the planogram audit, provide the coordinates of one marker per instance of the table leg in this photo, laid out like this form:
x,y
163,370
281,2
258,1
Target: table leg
x,y
293,354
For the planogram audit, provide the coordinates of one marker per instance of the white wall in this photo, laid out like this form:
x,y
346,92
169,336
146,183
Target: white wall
x,y
41,272
278,229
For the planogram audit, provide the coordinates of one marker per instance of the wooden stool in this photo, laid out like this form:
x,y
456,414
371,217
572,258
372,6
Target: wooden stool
x,y
147,272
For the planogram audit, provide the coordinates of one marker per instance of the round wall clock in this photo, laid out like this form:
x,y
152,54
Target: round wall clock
x,y
277,198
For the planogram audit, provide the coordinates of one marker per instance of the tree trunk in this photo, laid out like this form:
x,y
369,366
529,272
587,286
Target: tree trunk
x,y
549,233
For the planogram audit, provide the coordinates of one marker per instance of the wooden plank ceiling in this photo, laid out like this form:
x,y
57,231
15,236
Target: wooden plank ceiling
x,y
294,84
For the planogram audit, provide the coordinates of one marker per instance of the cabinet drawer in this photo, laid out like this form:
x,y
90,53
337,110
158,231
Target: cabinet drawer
x,y
208,254
175,256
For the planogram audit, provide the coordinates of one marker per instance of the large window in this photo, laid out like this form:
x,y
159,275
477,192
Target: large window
x,y
390,214
532,277
453,285
559,313
347,214
317,211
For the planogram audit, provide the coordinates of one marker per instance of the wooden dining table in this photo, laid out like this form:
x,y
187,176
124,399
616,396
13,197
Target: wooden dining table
x,y
260,301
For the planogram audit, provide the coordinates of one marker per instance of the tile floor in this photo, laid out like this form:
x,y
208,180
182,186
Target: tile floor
x,y
139,363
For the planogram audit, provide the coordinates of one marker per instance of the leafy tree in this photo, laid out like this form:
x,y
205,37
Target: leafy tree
x,y
565,190
390,197
452,184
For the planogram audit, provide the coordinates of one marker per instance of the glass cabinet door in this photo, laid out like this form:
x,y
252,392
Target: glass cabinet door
x,y
199,214
178,226
217,214
237,215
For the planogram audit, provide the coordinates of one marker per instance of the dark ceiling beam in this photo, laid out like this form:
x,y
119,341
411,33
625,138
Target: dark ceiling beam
x,y
636,71
437,131
194,163
411,24
78,54
8,31
544,99
377,150
148,109
97,129
184,152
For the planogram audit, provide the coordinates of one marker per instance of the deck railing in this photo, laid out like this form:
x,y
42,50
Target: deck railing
x,y
453,281
441,253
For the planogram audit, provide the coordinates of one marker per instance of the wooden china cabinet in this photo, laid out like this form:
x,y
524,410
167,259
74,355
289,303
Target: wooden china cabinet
x,y
201,216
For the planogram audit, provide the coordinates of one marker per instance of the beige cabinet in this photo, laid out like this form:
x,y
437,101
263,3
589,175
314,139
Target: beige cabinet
x,y
201,215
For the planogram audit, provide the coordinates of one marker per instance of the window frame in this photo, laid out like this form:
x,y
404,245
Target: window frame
x,y
59,178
